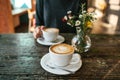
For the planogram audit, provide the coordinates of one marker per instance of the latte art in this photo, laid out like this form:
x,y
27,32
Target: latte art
x,y
62,49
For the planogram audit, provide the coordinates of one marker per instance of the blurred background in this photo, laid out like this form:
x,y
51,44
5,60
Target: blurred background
x,y
17,16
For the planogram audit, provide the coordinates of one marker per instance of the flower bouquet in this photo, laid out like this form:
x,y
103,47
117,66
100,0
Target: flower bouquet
x,y
83,22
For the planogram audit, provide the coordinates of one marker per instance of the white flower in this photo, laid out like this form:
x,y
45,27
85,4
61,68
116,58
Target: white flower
x,y
65,17
69,12
77,23
70,17
69,23
80,16
83,12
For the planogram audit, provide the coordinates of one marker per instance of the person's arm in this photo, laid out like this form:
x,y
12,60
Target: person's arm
x,y
39,13
39,19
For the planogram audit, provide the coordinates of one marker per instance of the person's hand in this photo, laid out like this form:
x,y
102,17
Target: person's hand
x,y
37,32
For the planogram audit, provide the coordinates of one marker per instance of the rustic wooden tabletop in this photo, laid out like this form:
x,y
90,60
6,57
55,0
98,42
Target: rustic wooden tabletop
x,y
20,56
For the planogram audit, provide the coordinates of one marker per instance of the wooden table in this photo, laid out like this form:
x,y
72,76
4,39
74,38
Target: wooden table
x,y
20,56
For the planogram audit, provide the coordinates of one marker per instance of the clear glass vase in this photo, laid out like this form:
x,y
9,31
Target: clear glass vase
x,y
81,42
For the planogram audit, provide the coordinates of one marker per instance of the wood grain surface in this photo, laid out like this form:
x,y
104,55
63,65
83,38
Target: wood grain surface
x,y
20,56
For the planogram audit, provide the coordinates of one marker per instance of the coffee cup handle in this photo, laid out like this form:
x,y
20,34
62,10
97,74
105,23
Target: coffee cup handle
x,y
76,58
41,35
42,27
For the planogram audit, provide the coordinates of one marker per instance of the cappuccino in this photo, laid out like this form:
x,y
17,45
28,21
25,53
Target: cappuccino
x,y
51,30
50,34
62,49
61,54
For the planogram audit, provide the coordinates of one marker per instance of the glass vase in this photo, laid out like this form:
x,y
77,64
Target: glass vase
x,y
81,42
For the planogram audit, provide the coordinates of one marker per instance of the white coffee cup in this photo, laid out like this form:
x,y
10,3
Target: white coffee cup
x,y
50,34
61,54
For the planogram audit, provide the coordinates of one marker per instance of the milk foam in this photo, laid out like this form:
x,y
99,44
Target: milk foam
x,y
51,30
62,49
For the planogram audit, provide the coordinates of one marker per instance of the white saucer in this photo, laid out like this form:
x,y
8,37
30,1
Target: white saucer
x,y
59,39
74,65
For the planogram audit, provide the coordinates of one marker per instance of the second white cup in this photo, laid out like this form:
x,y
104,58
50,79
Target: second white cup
x,y
50,34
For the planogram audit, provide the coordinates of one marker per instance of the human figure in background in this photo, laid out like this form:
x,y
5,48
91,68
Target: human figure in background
x,y
49,13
